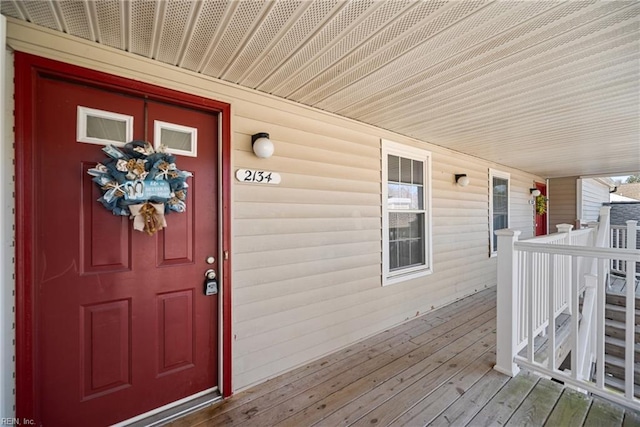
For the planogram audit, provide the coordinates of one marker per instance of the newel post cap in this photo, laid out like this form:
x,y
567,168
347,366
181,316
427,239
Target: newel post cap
x,y
508,232
564,228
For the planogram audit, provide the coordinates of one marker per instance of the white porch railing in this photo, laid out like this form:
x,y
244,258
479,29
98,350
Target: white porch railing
x,y
619,240
540,278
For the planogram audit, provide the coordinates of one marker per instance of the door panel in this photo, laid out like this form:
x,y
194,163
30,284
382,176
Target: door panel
x,y
105,361
99,233
123,325
176,340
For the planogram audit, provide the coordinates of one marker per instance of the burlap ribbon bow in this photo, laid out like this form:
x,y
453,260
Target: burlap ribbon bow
x,y
148,217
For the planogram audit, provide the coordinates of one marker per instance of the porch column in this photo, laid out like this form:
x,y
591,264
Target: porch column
x,y
507,303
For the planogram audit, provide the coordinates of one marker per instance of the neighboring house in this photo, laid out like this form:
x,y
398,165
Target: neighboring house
x,y
575,200
618,198
631,190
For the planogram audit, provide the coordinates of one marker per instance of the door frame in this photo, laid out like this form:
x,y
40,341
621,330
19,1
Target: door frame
x,y
543,187
27,68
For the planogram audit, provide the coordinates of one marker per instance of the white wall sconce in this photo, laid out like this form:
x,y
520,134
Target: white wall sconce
x,y
262,145
534,192
462,179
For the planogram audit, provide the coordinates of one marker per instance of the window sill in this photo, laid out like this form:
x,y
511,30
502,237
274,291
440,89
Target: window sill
x,y
398,278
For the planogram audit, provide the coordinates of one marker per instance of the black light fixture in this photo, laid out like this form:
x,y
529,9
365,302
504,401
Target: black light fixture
x,y
462,179
534,192
262,145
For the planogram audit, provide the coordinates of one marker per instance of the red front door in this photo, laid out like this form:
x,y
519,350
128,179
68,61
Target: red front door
x,y
541,218
122,325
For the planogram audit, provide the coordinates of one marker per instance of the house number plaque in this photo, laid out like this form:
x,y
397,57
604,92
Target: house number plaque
x,y
257,176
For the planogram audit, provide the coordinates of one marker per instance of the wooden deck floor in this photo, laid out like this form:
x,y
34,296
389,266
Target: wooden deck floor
x,y
433,370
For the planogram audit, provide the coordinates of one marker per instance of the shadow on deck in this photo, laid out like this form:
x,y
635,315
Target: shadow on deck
x,y
433,370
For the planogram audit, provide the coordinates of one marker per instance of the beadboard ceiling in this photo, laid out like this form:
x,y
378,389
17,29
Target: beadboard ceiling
x,y
549,87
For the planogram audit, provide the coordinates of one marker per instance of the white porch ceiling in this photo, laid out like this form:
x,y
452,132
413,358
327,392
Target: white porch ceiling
x,y
549,87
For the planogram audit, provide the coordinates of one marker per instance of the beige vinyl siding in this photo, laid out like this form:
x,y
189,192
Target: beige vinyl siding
x,y
562,202
319,250
522,211
307,253
594,193
311,283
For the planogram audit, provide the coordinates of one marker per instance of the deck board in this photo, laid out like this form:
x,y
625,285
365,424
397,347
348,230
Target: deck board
x,y
308,390
436,402
376,387
502,406
631,419
281,388
604,413
439,370
433,370
571,409
537,406
462,411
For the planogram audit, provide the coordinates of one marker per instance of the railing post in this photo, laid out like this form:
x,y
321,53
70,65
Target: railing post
x,y
564,265
593,225
604,228
507,303
565,228
630,317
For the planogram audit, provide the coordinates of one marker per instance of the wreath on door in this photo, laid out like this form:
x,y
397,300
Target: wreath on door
x,y
141,182
541,205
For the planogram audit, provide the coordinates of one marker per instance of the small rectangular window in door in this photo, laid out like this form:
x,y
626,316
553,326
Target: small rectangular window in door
x,y
103,127
178,139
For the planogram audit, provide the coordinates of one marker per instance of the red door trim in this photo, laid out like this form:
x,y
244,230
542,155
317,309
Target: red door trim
x,y
542,186
27,67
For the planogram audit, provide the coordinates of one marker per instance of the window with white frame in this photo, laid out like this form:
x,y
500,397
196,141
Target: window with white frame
x,y
499,201
103,127
177,139
406,212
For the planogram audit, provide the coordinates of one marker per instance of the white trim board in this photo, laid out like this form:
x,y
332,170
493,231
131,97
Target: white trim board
x,y
7,251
